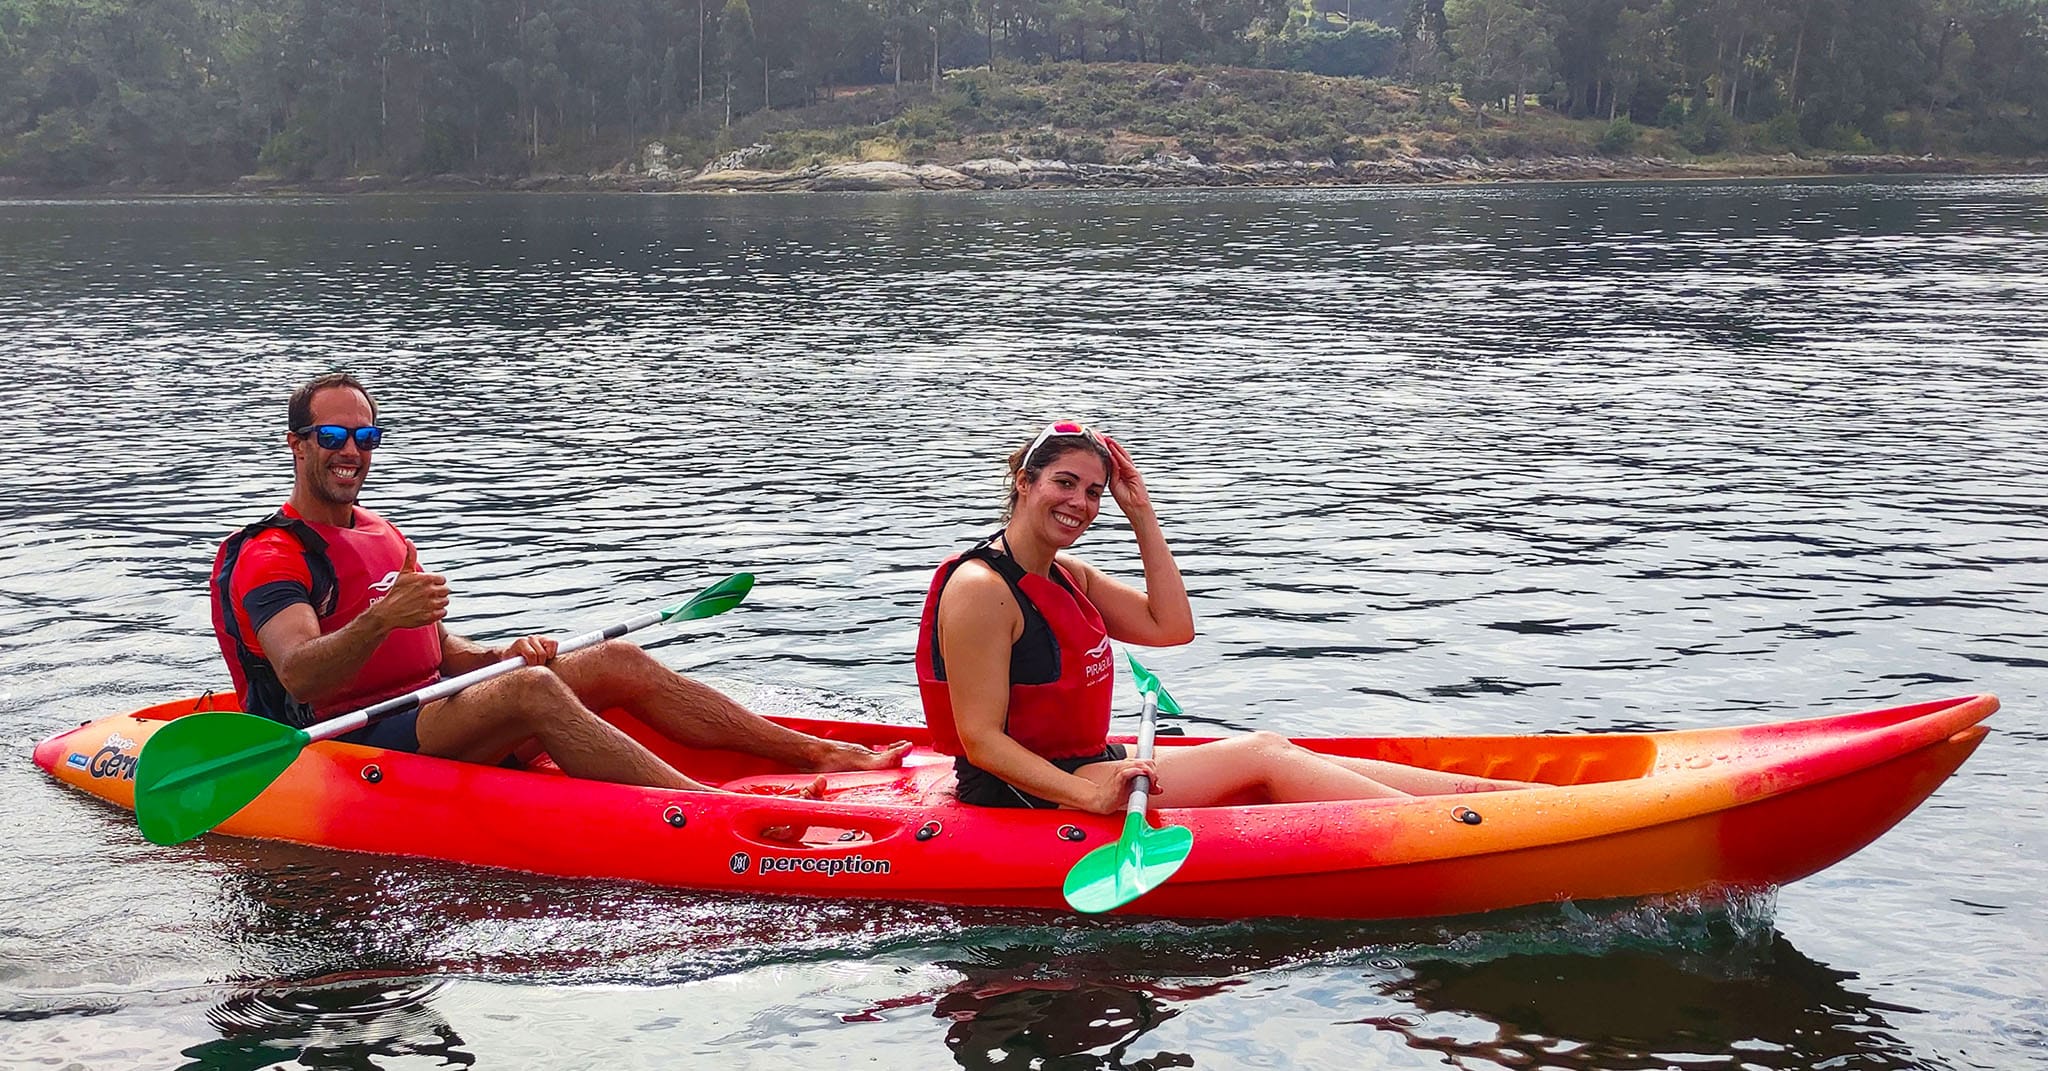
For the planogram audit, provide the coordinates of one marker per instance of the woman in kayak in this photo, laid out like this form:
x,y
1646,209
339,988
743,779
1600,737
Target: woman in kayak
x,y
1014,666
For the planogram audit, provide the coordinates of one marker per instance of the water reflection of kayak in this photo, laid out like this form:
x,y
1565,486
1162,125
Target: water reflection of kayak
x,y
1631,814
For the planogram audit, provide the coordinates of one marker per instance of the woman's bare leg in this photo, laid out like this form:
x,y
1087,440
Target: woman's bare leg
x,y
1423,781
1267,762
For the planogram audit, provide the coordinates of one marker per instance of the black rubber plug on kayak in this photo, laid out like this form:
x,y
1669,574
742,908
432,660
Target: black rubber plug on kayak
x,y
1071,832
1466,815
372,774
675,817
928,830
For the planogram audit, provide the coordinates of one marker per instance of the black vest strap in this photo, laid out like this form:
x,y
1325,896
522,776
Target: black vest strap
x,y
1035,657
267,695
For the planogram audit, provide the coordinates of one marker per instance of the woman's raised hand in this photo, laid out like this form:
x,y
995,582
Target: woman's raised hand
x,y
1126,483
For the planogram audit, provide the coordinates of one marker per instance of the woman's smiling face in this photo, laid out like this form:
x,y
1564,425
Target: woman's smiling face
x,y
1063,501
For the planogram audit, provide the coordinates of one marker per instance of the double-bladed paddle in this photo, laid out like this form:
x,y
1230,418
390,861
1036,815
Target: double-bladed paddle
x,y
1143,857
197,771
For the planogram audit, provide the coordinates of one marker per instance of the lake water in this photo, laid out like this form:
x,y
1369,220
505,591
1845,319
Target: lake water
x,y
1478,459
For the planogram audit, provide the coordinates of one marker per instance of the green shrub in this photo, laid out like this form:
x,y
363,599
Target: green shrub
x,y
1842,137
1263,148
1086,150
974,89
1199,147
1335,147
1707,130
1504,143
1007,100
62,151
1782,132
289,153
1908,132
1619,139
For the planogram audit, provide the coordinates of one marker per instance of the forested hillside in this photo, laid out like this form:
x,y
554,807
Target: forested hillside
x,y
198,92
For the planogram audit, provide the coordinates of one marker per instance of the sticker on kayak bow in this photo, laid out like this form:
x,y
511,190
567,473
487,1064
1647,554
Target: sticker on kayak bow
x,y
113,759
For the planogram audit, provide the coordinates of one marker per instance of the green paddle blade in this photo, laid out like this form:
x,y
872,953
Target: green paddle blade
x,y
197,771
716,599
1138,862
1149,683
1142,858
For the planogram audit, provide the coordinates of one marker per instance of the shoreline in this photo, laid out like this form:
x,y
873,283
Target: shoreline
x,y
995,174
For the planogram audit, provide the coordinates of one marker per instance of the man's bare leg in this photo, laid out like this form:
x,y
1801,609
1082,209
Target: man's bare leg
x,y
622,675
488,721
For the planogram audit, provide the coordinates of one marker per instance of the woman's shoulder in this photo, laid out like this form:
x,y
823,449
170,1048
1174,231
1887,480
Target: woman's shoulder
x,y
1081,572
975,578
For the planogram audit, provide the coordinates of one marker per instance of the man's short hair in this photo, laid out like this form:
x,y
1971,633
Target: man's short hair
x,y
300,412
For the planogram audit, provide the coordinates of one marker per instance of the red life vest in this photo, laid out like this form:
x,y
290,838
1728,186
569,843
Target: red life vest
x,y
1062,718
352,568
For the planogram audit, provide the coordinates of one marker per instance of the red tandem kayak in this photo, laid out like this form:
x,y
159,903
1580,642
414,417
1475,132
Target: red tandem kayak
x,y
1628,814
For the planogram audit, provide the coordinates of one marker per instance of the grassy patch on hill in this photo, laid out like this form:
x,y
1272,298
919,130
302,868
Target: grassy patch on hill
x,y
1126,112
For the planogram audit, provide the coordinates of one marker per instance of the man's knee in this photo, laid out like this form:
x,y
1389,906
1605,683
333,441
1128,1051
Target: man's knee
x,y
612,658
533,690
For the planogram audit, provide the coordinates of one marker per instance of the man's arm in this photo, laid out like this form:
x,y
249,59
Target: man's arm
x,y
460,654
313,667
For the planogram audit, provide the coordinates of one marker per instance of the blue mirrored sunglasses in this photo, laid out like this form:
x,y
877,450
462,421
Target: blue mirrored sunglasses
x,y
332,436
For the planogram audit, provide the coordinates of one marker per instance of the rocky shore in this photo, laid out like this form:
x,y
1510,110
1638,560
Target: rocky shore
x,y
653,173
1164,173
731,173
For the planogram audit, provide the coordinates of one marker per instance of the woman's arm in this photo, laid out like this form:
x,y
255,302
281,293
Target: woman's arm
x,y
978,622
1158,616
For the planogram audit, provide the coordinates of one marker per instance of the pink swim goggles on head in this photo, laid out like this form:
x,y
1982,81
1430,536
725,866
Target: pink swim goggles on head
x,y
1061,427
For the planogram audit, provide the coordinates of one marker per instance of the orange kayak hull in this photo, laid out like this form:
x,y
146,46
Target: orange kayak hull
x,y
1622,815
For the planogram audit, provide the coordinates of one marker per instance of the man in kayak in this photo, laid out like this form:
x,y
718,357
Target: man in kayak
x,y
1014,667
322,608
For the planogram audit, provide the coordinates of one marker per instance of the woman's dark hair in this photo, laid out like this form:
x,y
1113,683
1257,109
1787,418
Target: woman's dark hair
x,y
299,412
1050,450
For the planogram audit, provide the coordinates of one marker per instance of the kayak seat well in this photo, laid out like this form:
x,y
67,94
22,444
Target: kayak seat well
x,y
907,785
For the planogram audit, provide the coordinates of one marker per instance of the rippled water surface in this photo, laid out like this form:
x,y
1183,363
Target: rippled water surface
x,y
1491,459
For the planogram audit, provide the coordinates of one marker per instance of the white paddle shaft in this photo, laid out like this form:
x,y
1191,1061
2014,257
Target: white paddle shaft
x,y
1141,786
348,723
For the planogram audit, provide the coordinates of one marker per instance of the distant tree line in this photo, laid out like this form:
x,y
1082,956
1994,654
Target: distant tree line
x,y
199,91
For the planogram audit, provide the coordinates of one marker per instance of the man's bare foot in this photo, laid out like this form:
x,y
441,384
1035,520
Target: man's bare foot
x,y
841,756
